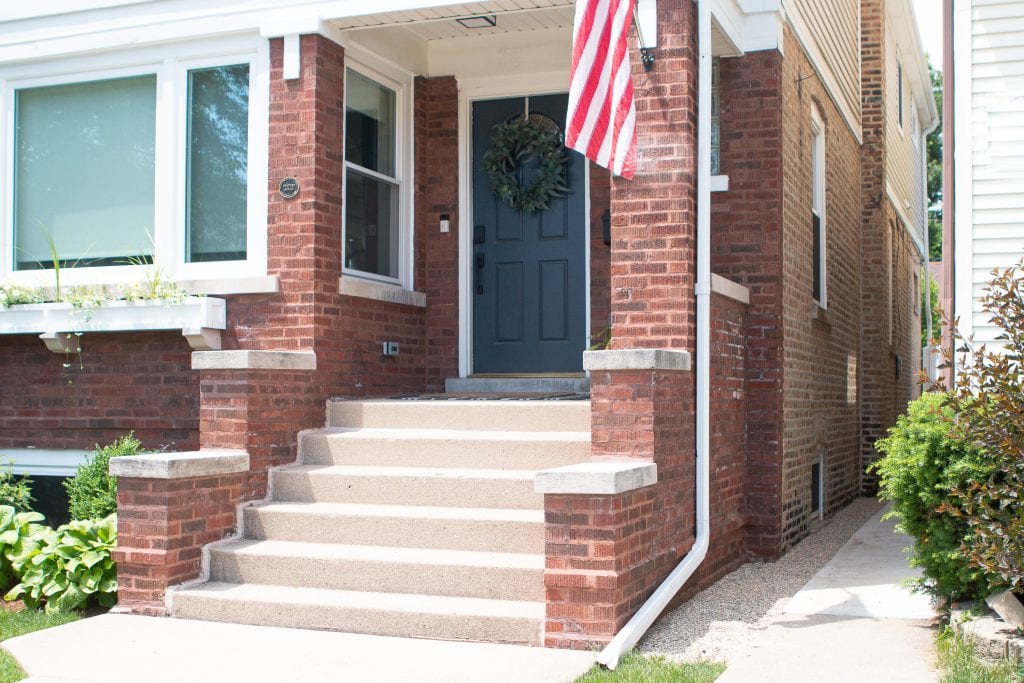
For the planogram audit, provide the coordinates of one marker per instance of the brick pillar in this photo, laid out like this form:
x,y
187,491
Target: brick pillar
x,y
878,399
169,505
607,553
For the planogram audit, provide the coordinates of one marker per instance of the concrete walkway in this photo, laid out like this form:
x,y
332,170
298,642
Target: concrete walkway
x,y
116,648
852,622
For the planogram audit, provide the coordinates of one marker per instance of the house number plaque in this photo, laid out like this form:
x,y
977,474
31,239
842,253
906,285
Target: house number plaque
x,y
288,187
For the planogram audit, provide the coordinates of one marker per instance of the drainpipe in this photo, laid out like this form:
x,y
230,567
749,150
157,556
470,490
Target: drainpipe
x,y
645,616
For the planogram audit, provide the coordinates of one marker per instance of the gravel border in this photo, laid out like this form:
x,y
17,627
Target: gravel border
x,y
718,623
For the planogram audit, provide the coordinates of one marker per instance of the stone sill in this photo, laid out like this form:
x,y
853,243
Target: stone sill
x,y
254,360
200,320
596,478
727,288
184,465
381,291
636,359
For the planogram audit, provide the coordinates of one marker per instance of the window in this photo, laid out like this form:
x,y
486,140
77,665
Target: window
x,y
218,158
716,109
899,89
372,185
819,245
84,173
160,163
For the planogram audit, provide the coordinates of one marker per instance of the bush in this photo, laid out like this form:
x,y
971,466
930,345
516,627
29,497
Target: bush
x,y
988,400
15,491
69,566
20,532
923,466
92,492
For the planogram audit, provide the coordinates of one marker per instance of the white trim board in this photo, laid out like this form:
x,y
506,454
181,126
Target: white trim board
x,y
44,462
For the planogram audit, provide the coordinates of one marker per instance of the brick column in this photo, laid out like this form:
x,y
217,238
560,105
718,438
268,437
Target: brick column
x,y
169,505
257,401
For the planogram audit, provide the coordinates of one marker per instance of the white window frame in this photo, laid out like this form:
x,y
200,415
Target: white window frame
x,y
400,82
818,199
170,64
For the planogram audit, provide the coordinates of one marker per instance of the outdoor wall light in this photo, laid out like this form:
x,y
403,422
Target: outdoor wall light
x,y
485,21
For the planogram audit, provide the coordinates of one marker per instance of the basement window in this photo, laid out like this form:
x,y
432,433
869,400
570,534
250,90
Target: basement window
x,y
817,489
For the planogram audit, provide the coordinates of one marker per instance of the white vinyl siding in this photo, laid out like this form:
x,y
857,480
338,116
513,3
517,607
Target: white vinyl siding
x,y
995,111
903,157
833,29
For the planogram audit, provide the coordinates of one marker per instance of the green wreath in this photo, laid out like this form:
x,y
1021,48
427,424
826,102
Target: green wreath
x,y
514,143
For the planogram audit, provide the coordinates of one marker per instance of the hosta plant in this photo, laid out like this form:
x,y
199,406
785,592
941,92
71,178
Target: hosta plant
x,y
69,567
20,532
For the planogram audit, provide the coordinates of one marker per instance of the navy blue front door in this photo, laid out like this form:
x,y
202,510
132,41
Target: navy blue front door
x,y
529,269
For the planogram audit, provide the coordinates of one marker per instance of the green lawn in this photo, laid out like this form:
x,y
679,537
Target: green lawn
x,y
635,668
19,623
960,663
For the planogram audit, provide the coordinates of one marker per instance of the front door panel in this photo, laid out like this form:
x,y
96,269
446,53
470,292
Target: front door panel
x,y
529,269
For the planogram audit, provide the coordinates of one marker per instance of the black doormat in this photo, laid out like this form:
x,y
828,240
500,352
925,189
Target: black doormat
x,y
494,397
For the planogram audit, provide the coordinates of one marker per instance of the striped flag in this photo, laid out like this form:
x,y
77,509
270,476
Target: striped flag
x,y
601,121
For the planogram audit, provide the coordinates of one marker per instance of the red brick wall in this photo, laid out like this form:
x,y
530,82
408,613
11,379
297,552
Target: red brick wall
x,y
746,247
162,525
122,382
437,193
822,348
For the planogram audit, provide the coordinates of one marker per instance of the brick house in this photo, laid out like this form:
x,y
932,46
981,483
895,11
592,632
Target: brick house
x,y
315,169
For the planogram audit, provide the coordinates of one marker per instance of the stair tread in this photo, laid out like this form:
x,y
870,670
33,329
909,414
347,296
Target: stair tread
x,y
403,511
371,553
393,602
401,433
390,471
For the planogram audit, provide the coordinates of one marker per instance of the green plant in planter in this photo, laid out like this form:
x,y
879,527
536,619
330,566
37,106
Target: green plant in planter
x,y
12,294
69,567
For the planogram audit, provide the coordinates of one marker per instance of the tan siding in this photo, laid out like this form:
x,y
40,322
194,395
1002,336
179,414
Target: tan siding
x,y
832,30
997,115
903,158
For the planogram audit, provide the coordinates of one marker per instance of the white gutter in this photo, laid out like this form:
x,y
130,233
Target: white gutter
x,y
650,610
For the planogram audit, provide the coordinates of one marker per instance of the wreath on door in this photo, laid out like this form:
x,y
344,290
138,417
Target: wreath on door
x,y
515,142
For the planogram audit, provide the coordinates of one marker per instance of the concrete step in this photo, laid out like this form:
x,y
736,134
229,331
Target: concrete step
x,y
517,385
482,529
417,616
510,489
458,573
443,448
490,415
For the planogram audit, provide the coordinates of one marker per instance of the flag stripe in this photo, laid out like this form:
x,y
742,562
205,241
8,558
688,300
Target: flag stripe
x,y
601,121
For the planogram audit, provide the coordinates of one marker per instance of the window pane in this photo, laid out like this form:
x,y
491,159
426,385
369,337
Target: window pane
x,y
218,155
369,124
816,256
371,236
84,173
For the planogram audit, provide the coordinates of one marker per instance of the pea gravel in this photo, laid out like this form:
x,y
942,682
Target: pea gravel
x,y
718,623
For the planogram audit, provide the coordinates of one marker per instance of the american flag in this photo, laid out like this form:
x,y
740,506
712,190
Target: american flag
x,y
601,122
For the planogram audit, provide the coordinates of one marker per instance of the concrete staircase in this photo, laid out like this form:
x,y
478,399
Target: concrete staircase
x,y
402,518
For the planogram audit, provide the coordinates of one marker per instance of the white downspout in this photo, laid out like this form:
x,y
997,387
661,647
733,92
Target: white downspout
x,y
928,362
650,610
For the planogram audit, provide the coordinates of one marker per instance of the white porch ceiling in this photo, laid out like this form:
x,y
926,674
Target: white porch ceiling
x,y
439,23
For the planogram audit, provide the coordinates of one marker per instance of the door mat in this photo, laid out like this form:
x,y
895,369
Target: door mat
x,y
494,397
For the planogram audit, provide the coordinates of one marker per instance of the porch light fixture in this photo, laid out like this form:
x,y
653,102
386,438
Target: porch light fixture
x,y
483,21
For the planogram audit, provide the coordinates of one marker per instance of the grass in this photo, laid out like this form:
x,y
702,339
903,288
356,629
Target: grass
x,y
959,663
635,668
14,624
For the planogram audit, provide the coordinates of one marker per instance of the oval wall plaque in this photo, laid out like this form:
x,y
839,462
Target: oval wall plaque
x,y
288,187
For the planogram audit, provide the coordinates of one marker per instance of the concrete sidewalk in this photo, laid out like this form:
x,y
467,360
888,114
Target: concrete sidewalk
x,y
851,622
118,648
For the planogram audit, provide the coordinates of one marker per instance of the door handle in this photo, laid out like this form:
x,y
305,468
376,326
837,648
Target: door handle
x,y
478,271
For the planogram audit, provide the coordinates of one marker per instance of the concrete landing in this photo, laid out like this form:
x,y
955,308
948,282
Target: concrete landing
x,y
175,650
852,622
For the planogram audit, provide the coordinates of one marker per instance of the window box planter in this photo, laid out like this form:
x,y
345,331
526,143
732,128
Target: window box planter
x,y
200,319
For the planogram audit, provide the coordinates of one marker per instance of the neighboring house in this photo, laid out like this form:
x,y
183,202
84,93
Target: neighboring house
x,y
983,205
319,166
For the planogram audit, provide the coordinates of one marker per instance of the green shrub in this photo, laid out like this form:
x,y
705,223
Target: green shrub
x,y
20,532
69,566
15,491
988,400
922,467
92,492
